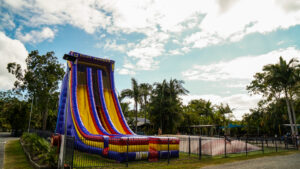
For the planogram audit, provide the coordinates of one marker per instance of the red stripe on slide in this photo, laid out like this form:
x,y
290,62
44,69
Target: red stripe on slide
x,y
119,115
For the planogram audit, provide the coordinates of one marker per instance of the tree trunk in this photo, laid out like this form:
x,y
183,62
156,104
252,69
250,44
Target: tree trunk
x,y
294,116
45,115
136,117
289,111
145,110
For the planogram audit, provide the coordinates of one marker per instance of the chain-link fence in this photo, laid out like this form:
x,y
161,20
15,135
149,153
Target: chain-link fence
x,y
83,153
218,147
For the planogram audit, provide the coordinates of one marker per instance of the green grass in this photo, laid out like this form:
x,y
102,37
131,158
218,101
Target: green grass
x,y
85,159
184,161
15,157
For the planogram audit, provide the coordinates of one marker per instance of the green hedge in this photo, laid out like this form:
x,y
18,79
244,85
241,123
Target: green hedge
x,y
40,149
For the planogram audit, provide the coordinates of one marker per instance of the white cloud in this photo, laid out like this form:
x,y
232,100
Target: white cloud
x,y
242,68
6,21
86,15
232,21
240,103
36,36
148,49
289,5
128,68
175,52
223,18
210,22
112,45
125,71
10,51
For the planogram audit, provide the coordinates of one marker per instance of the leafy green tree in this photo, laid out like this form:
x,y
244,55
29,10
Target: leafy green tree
x,y
133,93
278,79
124,105
145,93
223,111
198,112
14,112
39,80
267,118
166,106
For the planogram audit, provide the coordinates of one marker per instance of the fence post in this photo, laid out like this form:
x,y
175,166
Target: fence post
x,y
262,145
296,143
276,144
247,146
287,143
189,145
168,151
200,148
127,152
225,146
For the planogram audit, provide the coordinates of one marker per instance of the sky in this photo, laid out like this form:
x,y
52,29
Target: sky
x,y
215,46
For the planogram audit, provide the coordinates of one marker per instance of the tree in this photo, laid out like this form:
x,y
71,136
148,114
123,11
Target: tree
x,y
165,106
198,112
40,79
145,92
13,111
124,105
276,78
224,110
133,93
267,118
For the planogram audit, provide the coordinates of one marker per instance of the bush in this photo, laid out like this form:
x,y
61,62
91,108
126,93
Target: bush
x,y
40,149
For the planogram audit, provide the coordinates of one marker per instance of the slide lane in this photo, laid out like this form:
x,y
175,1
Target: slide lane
x,y
117,106
112,111
101,130
105,114
84,109
81,130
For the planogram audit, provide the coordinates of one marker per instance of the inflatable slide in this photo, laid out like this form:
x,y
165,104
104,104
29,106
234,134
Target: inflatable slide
x,y
95,117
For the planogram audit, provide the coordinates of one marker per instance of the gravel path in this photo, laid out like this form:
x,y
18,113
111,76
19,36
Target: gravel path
x,y
4,137
276,162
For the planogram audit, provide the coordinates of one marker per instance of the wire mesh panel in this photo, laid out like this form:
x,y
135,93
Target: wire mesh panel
x,y
119,151
69,151
92,154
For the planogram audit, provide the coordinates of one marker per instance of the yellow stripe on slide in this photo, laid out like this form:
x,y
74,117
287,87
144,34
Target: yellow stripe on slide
x,y
84,109
112,111
85,141
131,148
164,147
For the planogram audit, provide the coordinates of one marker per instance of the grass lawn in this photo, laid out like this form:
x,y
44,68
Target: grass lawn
x,y
15,157
185,161
193,162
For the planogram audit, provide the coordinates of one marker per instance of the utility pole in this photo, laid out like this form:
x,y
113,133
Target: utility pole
x,y
61,164
30,114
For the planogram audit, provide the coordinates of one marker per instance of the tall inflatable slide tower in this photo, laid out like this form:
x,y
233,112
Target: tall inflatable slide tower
x,y
95,118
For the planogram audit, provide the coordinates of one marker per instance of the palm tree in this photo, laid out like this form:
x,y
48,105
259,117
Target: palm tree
x,y
166,105
124,105
284,75
133,93
145,91
223,111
